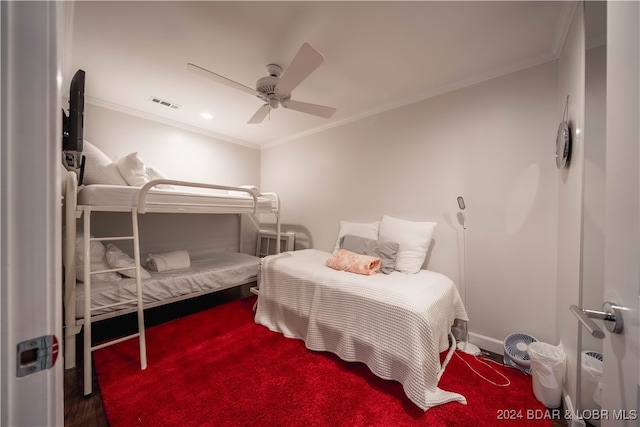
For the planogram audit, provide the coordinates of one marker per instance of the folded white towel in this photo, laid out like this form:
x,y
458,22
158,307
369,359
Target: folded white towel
x,y
165,261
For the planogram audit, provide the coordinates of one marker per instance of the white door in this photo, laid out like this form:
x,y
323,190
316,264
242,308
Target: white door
x,y
622,216
30,272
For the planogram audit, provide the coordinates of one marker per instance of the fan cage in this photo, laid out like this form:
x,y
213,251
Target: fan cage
x,y
595,355
516,351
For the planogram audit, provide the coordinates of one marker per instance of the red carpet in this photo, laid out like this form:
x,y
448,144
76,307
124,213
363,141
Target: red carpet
x,y
219,368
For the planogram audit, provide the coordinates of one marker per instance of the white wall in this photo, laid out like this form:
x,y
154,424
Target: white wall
x,y
570,183
492,143
183,155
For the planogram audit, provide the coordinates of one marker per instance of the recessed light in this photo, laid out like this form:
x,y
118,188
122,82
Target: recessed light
x,y
207,116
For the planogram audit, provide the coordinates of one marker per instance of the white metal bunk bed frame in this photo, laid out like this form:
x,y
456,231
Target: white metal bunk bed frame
x,y
75,211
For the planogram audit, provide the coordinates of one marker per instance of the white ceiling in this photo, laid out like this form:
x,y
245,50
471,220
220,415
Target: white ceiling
x,y
378,55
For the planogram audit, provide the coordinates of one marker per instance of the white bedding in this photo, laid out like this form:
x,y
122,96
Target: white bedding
x,y
396,324
127,197
218,271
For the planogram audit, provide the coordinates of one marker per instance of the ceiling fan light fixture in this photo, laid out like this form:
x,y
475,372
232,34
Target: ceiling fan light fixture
x,y
274,70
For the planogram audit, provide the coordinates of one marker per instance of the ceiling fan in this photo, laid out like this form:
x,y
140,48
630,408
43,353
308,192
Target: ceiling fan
x,y
275,89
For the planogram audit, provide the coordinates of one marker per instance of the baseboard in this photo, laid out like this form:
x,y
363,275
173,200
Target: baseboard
x,y
570,411
486,343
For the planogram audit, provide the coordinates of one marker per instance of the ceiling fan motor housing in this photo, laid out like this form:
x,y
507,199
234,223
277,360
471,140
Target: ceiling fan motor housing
x,y
266,87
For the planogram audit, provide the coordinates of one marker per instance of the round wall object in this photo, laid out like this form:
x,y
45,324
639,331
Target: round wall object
x,y
563,145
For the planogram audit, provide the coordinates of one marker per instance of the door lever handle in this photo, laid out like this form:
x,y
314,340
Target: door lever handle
x,y
611,316
589,324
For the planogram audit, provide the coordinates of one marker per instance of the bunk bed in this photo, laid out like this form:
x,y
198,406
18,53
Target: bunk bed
x,y
87,300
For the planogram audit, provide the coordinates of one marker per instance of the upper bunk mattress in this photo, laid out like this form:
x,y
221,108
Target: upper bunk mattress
x,y
126,197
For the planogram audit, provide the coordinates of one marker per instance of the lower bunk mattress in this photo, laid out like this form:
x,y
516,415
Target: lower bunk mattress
x,y
397,324
217,271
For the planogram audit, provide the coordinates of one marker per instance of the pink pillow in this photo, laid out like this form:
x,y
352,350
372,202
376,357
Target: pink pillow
x,y
352,262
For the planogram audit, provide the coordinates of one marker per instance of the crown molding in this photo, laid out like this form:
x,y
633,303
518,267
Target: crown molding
x,y
479,78
173,123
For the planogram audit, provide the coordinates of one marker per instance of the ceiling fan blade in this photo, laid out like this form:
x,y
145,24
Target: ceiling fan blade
x,y
259,116
305,107
305,62
220,79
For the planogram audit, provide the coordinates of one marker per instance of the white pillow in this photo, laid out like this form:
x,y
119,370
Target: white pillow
x,y
413,239
360,229
98,167
118,259
133,170
97,262
155,173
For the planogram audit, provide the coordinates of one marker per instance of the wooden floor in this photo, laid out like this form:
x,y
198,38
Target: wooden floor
x,y
81,411
87,411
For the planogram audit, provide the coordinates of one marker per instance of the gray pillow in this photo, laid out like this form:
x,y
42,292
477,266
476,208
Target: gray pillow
x,y
386,251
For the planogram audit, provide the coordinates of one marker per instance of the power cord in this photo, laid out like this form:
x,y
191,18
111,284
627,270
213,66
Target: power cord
x,y
508,382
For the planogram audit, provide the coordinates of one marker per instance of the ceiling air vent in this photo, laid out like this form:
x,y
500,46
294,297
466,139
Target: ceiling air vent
x,y
164,102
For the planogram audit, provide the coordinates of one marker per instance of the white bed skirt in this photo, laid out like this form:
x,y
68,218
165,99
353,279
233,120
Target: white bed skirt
x,y
396,324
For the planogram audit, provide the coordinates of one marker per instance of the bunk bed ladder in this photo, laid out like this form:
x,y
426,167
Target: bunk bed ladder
x,y
88,308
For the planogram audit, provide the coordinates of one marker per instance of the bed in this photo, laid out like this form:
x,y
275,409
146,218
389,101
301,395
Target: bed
x,y
208,273
84,293
396,323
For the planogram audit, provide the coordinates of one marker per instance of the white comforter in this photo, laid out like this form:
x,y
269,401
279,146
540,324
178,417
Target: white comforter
x,y
396,324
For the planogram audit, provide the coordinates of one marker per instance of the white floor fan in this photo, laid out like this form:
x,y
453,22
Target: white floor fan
x,y
275,89
465,346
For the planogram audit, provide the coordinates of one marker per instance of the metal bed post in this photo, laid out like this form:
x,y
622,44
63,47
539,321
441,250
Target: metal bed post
x,y
240,233
278,230
87,301
136,257
69,300
276,212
